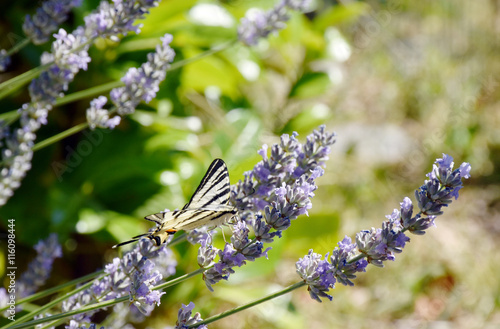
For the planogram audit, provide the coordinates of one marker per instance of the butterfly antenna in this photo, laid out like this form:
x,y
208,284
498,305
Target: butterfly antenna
x,y
124,243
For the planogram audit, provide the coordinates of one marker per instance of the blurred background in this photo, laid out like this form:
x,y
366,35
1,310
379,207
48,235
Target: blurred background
x,y
401,82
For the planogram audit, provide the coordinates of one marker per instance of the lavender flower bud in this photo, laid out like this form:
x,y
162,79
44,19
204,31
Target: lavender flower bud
x,y
317,274
141,293
98,117
344,271
206,255
185,319
201,236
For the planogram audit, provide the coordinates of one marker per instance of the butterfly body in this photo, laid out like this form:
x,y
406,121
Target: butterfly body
x,y
209,205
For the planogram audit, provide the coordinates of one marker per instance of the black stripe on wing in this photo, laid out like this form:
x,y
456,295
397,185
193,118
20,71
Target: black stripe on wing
x,y
189,217
213,188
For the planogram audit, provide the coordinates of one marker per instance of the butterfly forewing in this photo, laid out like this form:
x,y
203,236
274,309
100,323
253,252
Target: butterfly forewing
x,y
213,189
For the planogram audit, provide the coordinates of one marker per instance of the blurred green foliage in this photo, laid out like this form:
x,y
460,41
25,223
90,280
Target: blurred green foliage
x,y
401,82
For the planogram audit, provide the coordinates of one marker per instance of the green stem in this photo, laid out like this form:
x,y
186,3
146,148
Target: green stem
x,y
251,304
18,46
9,117
212,51
92,307
11,85
58,288
61,135
94,91
178,279
356,258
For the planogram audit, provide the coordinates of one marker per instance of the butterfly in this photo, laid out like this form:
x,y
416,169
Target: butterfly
x,y
209,205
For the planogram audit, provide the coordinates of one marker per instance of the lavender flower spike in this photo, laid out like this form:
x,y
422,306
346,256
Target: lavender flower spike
x,y
271,196
39,269
259,24
142,84
380,245
47,18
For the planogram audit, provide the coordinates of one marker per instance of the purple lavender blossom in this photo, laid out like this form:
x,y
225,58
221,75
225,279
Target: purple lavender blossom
x,y
142,84
113,19
134,275
141,293
317,274
380,245
344,271
184,318
259,24
69,55
268,199
47,18
39,269
99,117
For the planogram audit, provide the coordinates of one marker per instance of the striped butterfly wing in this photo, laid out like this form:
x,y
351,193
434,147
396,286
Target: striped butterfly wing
x,y
213,189
208,205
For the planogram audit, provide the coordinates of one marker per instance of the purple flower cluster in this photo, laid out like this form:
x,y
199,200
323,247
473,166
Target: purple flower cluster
x,y
184,318
68,56
47,18
259,24
113,19
38,270
321,275
99,117
273,194
135,274
379,245
141,84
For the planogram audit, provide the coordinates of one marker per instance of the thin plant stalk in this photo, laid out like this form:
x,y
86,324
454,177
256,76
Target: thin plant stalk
x,y
246,306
